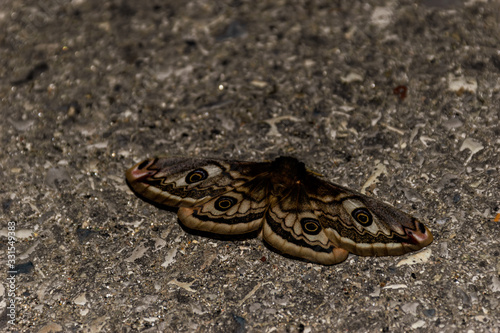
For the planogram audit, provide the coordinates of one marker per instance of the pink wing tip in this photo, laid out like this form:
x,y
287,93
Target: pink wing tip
x,y
140,171
422,236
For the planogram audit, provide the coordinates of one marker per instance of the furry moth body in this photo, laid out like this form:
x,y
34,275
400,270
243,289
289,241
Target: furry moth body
x,y
295,212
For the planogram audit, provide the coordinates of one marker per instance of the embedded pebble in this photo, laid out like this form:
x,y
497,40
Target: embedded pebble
x,y
416,258
473,145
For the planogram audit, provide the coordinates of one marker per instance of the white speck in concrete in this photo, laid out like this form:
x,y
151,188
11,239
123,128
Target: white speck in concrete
x,y
473,145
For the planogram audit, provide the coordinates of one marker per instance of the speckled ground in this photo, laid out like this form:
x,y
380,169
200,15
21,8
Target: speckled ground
x,y
90,87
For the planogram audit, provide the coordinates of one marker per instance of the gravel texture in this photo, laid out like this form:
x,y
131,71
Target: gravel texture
x,y
407,90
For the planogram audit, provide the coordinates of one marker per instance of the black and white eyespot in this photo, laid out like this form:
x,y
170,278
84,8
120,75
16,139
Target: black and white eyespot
x,y
310,226
196,176
224,203
362,216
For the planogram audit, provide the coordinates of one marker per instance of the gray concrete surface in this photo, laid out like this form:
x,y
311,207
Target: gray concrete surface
x,y
89,87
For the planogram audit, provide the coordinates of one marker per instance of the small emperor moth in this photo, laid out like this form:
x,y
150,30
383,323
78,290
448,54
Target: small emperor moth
x,y
295,212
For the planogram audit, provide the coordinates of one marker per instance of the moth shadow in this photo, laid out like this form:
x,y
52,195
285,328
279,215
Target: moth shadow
x,y
222,237
239,237
286,255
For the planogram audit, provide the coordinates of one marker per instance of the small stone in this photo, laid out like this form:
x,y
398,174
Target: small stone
x,y
429,312
80,300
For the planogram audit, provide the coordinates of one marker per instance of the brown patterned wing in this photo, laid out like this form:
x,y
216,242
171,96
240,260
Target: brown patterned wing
x,y
291,227
187,182
235,212
220,197
363,225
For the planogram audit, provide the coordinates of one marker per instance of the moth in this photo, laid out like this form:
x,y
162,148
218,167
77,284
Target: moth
x,y
295,212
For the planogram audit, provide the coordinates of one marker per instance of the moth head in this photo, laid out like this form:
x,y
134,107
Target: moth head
x,y
369,227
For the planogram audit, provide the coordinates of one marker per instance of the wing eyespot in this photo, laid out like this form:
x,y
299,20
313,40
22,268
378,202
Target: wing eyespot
x,y
224,203
362,216
310,226
196,176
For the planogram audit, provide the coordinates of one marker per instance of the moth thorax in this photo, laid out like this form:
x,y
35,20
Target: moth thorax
x,y
279,190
